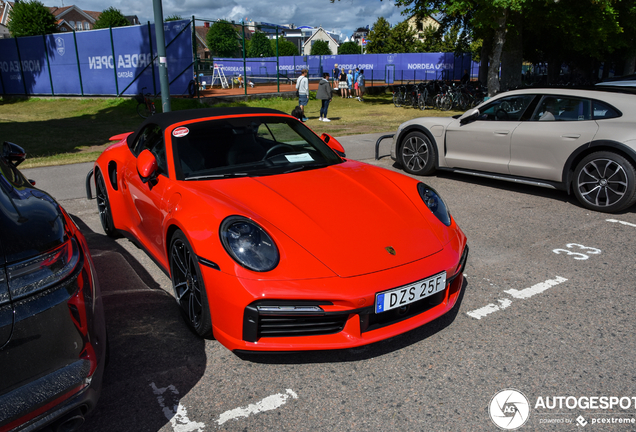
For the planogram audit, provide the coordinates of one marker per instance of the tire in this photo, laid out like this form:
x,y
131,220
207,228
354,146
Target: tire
x,y
418,154
605,182
103,206
446,103
188,285
397,100
143,111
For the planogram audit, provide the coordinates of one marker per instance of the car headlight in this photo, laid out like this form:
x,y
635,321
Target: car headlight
x,y
248,244
434,202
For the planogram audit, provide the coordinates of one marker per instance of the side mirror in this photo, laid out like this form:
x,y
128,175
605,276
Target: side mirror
x,y
147,166
469,116
334,144
13,153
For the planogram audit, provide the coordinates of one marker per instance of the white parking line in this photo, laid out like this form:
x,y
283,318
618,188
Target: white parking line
x,y
175,412
489,308
517,294
621,222
535,289
267,404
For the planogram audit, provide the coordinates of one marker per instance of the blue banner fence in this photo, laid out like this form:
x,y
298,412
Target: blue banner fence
x,y
114,62
122,61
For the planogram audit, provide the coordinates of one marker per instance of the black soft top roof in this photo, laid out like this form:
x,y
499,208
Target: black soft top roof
x,y
165,120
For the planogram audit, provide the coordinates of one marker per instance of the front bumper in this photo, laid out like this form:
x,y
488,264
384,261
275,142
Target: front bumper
x,y
328,313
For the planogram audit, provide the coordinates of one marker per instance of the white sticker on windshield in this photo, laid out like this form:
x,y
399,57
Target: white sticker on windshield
x,y
304,157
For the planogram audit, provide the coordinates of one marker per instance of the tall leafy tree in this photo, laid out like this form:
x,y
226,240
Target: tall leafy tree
x,y
285,47
378,42
320,47
401,39
349,48
111,17
223,39
260,46
30,18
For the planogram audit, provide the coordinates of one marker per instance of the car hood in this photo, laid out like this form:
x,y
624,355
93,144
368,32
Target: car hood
x,y
349,216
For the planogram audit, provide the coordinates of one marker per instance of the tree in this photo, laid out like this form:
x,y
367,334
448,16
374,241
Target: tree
x,y
320,47
173,18
285,47
111,17
223,39
378,37
349,48
401,39
260,46
31,18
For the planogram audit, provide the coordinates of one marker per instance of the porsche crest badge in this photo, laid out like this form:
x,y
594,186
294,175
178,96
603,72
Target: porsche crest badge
x,y
390,250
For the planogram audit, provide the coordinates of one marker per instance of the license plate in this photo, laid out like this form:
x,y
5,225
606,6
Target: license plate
x,y
411,293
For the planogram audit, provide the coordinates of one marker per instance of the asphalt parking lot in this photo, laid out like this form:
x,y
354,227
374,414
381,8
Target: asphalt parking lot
x,y
547,310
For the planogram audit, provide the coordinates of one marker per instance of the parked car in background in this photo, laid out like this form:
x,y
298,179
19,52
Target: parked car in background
x,y
52,328
579,141
273,239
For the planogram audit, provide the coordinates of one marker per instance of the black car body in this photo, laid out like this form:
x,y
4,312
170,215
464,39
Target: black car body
x,y
52,328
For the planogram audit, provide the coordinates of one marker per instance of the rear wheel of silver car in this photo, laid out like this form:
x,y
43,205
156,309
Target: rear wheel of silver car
x,y
103,206
188,285
417,154
605,182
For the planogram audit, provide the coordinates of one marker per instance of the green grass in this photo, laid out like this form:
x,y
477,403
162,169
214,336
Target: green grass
x,y
63,131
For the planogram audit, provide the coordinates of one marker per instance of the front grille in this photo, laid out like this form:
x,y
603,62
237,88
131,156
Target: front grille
x,y
283,318
279,326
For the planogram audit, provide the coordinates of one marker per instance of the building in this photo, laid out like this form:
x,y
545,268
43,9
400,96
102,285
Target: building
x,y
69,18
420,25
320,35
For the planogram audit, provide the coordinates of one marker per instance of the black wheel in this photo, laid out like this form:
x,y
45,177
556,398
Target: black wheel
x,y
397,100
446,103
103,206
188,285
143,111
605,182
417,154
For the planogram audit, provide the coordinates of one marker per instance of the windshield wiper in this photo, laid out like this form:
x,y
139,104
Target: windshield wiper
x,y
215,176
306,167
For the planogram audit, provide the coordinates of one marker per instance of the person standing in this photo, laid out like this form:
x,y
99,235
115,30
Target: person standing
x,y
361,85
342,83
350,83
356,73
302,87
334,75
324,94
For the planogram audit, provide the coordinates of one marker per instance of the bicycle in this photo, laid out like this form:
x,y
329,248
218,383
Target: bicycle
x,y
146,106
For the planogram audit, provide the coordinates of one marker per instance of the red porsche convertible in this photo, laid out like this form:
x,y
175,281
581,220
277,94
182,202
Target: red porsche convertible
x,y
272,238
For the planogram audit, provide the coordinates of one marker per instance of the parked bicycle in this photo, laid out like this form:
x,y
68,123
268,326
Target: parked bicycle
x,y
146,105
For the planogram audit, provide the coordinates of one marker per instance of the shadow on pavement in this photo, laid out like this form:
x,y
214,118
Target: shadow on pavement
x,y
154,358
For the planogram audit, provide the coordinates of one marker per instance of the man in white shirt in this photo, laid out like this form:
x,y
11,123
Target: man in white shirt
x,y
302,85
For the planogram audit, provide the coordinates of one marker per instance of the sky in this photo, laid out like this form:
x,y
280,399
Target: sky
x,y
343,17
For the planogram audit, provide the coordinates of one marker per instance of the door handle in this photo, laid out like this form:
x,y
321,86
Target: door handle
x,y
502,132
571,136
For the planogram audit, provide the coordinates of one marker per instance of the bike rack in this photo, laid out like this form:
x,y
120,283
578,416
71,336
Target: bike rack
x,y
377,145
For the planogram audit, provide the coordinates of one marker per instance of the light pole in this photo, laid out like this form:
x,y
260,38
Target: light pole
x,y
161,53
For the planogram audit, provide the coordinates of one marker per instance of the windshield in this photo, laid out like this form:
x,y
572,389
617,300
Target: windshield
x,y
247,146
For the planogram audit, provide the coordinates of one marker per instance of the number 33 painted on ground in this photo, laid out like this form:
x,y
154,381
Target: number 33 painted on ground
x,y
578,255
